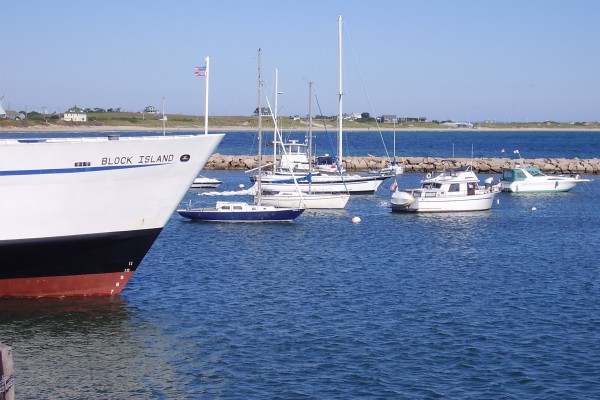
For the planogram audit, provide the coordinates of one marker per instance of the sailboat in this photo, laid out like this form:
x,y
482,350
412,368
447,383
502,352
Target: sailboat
x,y
229,211
337,181
296,198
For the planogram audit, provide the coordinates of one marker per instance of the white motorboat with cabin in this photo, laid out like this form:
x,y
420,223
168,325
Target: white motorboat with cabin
x,y
450,191
532,179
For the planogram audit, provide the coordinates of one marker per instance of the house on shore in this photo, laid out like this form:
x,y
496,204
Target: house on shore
x,y
75,114
388,119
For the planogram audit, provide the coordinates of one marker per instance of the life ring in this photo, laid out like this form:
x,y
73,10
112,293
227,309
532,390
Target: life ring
x,y
428,176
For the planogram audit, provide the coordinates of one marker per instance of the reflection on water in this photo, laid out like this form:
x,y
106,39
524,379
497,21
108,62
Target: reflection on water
x,y
83,348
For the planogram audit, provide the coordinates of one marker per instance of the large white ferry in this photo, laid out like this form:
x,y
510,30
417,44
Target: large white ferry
x,y
78,215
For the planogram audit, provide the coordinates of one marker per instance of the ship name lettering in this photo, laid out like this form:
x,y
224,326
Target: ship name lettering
x,y
150,159
116,160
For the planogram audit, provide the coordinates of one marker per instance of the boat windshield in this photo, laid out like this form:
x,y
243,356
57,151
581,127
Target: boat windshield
x,y
432,185
535,172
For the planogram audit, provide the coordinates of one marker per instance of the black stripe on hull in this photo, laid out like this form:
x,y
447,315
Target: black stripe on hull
x,y
75,255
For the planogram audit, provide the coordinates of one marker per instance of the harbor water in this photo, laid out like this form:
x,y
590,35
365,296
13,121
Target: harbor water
x,y
487,305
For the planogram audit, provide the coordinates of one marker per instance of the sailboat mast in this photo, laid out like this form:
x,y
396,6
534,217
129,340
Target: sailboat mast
x,y
275,117
258,185
310,133
340,93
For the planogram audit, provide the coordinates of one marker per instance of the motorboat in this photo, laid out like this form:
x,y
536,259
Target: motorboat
x,y
450,191
203,182
531,179
231,211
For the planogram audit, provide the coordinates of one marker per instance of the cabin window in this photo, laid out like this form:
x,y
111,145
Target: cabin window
x,y
429,194
237,207
507,175
470,188
454,187
521,175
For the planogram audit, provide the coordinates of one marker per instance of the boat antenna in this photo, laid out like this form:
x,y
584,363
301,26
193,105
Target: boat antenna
x,y
519,154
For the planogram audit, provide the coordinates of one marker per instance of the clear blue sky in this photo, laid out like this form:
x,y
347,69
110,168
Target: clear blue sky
x,y
469,60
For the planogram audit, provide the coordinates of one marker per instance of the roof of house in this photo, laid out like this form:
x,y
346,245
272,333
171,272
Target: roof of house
x,y
75,110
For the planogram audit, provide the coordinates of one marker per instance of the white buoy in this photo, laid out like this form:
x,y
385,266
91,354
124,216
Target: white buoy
x,y
533,208
356,220
241,185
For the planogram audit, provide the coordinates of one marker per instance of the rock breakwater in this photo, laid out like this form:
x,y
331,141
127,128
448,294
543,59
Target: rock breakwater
x,y
589,166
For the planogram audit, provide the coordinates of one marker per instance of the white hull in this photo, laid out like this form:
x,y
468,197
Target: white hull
x,y
450,191
542,185
477,202
531,179
203,182
352,184
306,200
64,187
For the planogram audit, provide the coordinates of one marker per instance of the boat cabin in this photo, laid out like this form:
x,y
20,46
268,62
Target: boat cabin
x,y
520,174
294,158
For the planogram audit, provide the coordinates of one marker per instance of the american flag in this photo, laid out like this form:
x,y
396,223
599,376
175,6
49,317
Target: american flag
x,y
200,71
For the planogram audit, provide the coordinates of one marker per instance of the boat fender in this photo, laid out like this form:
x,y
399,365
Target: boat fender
x,y
428,176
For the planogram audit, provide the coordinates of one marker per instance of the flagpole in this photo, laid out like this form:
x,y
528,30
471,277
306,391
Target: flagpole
x,y
206,99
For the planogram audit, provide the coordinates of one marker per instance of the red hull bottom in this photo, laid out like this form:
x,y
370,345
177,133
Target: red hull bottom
x,y
109,284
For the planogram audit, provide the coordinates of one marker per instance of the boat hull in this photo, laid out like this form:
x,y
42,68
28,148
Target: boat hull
x,y
242,216
478,202
546,186
353,184
310,201
78,214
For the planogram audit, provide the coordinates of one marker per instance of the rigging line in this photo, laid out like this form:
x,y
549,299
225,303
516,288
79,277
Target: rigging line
x,y
338,165
242,83
331,147
365,89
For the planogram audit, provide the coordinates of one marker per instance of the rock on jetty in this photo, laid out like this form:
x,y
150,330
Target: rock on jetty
x,y
428,164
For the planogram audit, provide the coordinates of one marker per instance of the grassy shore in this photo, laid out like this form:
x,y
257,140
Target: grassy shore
x,y
136,121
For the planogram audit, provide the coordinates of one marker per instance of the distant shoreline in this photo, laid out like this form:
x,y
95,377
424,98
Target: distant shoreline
x,y
217,129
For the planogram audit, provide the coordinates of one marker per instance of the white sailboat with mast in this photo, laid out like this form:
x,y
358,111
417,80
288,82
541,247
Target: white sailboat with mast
x,y
230,211
339,181
296,198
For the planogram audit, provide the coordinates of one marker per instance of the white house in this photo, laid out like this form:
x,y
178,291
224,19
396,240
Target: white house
x,y
75,114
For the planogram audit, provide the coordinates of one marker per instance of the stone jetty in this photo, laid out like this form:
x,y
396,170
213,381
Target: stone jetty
x,y
428,164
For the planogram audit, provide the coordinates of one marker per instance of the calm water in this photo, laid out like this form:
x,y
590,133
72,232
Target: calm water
x,y
531,144
498,304
539,144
